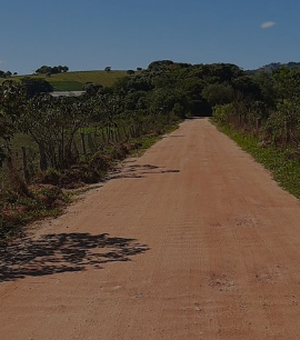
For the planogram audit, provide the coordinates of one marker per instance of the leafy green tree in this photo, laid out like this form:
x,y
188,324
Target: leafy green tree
x,y
52,123
48,70
44,70
130,72
246,88
266,84
221,113
162,101
284,122
287,83
218,94
160,65
12,106
12,103
136,101
131,84
36,86
8,74
92,88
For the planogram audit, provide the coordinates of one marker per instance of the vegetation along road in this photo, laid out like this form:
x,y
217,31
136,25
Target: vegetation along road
x,y
193,240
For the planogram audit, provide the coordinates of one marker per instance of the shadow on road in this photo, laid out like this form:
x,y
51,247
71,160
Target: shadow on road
x,y
138,171
59,253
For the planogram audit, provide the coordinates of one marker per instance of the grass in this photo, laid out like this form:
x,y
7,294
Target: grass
x,y
74,81
17,211
145,142
284,168
66,85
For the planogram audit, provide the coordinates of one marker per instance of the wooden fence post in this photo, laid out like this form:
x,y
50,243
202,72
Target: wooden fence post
x,y
90,142
83,143
43,158
24,160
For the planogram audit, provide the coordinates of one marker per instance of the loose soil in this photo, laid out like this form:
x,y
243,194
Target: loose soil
x,y
193,240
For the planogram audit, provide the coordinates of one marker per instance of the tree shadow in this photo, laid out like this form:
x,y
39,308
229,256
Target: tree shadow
x,y
59,253
139,171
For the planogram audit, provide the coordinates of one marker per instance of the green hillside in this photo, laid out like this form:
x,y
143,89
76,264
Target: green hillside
x,y
74,81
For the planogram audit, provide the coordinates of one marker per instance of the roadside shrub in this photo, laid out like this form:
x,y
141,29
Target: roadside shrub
x,y
221,113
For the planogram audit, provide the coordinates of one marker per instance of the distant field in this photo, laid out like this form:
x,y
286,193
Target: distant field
x,y
66,85
73,81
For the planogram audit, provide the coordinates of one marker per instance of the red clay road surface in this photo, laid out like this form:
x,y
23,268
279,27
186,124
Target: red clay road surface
x,y
193,240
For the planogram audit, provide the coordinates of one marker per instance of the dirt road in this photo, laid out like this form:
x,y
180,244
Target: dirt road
x,y
194,240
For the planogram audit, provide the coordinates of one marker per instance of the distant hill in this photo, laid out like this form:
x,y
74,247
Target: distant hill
x,y
74,81
274,66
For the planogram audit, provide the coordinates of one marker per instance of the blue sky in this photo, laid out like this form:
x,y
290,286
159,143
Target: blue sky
x,y
126,34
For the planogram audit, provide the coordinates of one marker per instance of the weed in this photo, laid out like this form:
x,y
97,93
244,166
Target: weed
x,y
17,211
285,170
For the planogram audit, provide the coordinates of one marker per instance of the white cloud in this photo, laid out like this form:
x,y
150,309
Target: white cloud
x,y
268,24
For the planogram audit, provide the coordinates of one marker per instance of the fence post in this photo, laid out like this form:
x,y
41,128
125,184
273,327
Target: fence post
x,y
83,143
90,142
24,160
258,123
43,158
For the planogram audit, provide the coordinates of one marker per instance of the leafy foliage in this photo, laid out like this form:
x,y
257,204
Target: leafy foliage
x,y
48,70
12,101
36,86
265,120
77,139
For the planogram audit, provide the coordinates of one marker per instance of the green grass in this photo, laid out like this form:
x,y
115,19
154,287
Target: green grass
x,y
73,81
145,142
285,170
66,85
21,210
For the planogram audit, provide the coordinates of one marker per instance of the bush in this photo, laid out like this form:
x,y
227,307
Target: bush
x,y
221,113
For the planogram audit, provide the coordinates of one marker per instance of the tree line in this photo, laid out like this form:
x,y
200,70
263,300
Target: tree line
x,y
70,132
271,111
49,70
77,139
7,74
